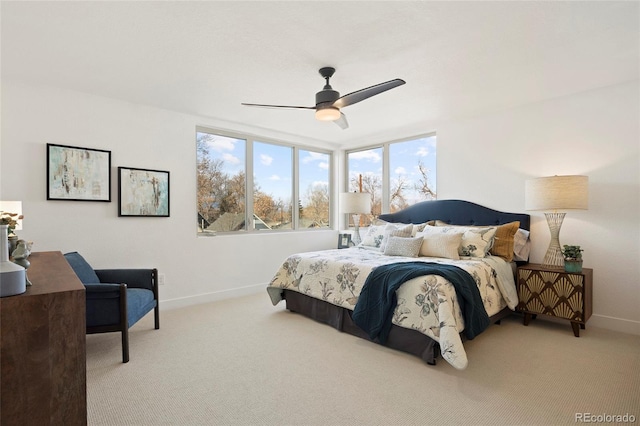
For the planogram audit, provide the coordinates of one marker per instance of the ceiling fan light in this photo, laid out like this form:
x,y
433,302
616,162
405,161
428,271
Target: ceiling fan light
x,y
328,114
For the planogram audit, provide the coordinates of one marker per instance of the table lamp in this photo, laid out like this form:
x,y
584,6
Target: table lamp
x,y
355,203
556,193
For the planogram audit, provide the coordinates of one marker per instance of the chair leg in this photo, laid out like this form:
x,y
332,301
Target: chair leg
x,y
156,314
125,345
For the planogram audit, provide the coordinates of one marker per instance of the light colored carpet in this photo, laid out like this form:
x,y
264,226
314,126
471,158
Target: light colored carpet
x,y
246,362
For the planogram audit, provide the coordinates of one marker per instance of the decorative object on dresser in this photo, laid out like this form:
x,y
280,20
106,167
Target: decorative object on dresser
x,y
12,277
555,292
572,258
355,203
556,193
344,241
11,213
78,174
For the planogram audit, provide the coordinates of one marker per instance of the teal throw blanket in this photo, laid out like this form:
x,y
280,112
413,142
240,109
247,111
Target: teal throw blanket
x,y
377,301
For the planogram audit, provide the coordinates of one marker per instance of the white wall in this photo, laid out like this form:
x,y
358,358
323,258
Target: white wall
x,y
198,269
485,159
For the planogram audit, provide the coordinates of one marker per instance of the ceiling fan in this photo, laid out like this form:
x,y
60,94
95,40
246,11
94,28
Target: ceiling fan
x,y
329,101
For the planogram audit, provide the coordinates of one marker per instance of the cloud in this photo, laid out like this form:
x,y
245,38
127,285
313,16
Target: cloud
x,y
400,171
314,156
369,155
221,144
274,177
323,165
231,159
266,160
423,151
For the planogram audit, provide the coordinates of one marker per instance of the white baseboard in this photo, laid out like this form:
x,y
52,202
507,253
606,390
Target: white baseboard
x,y
615,324
182,302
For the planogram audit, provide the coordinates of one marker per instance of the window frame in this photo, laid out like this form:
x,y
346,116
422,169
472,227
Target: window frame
x,y
386,161
250,139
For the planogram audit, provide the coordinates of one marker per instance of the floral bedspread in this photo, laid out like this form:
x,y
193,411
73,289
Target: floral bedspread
x,y
427,304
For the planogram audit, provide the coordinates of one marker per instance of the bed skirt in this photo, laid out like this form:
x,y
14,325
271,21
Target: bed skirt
x,y
403,339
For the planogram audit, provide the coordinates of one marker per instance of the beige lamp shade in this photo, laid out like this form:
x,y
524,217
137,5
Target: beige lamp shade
x,y
355,202
557,193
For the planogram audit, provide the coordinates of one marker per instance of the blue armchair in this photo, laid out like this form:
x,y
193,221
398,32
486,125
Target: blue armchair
x,y
116,298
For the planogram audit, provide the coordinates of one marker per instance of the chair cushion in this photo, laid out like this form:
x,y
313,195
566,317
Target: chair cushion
x,y
81,267
139,302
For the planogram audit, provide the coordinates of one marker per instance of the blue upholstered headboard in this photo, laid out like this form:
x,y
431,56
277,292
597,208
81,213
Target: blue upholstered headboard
x,y
455,212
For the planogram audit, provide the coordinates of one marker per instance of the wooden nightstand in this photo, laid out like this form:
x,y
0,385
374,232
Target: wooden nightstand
x,y
554,292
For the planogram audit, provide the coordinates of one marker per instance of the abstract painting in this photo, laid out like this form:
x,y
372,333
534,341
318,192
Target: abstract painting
x,y
143,192
78,174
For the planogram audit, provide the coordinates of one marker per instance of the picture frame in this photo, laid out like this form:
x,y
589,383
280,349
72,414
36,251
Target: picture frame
x,y
344,241
143,192
78,174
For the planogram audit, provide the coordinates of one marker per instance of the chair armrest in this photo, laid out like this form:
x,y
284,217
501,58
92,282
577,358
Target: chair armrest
x,y
133,278
102,291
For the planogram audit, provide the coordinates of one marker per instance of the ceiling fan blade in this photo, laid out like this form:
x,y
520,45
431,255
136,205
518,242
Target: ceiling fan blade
x,y
278,106
362,94
342,122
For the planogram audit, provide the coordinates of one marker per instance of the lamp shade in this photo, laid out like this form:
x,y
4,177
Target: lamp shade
x,y
557,193
355,202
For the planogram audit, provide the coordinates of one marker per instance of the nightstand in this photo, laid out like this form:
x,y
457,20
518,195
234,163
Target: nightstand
x,y
554,292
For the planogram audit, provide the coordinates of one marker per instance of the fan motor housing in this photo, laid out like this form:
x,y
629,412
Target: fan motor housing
x,y
326,96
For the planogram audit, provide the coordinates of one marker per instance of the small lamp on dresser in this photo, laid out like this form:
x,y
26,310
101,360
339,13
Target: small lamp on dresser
x,y
556,193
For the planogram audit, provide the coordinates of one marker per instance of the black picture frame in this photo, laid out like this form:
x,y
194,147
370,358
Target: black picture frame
x,y
143,192
344,241
78,174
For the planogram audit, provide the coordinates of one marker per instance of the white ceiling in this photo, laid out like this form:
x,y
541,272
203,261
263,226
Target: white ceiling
x,y
459,59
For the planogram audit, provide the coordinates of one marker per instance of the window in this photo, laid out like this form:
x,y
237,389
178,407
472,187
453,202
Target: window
x,y
314,189
273,184
280,174
221,183
410,176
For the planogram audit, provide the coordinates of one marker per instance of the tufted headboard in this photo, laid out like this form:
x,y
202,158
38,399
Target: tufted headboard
x,y
455,212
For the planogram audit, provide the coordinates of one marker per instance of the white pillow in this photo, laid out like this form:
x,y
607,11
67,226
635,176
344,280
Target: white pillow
x,y
439,243
392,230
373,236
476,242
400,246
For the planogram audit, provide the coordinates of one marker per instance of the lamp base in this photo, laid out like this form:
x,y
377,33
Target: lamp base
x,y
554,257
356,233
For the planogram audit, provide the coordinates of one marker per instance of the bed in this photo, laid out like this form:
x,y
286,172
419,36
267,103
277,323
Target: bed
x,y
429,317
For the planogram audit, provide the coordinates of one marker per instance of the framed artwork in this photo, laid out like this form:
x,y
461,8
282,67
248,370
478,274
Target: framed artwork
x,y
78,174
143,192
344,241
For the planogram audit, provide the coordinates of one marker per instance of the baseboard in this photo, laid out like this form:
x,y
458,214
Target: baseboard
x,y
182,302
615,324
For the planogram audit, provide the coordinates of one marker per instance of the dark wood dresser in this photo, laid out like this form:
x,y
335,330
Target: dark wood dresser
x,y
43,347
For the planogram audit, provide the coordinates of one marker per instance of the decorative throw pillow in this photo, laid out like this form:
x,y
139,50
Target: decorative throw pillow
x,y
400,246
476,241
521,245
420,227
440,242
503,242
392,230
373,236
